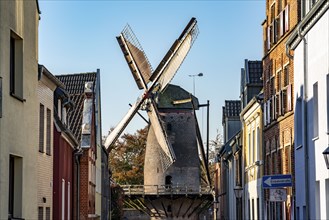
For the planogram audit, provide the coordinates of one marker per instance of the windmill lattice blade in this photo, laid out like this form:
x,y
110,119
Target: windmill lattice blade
x,y
201,149
135,56
115,134
170,64
161,134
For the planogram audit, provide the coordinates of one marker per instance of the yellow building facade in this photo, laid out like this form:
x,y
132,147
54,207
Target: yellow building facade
x,y
19,22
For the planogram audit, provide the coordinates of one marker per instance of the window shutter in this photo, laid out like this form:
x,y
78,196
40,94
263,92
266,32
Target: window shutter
x,y
265,114
268,37
268,111
289,104
279,103
281,23
287,18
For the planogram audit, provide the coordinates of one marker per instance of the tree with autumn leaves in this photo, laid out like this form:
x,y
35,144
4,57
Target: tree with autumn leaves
x,y
127,158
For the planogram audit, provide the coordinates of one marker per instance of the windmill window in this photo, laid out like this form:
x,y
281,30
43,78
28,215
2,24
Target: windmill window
x,y
169,127
168,180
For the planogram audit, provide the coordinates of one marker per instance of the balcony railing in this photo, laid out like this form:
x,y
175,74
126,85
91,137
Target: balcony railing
x,y
166,190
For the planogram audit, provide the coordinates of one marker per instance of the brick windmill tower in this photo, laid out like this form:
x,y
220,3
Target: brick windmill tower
x,y
174,155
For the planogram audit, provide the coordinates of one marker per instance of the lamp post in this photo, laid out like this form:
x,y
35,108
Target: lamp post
x,y
193,76
326,156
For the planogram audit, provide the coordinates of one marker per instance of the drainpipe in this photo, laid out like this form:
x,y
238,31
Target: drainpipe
x,y
77,156
305,98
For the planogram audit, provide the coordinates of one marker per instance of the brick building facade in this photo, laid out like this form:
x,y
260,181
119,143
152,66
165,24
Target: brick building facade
x,y
282,17
46,87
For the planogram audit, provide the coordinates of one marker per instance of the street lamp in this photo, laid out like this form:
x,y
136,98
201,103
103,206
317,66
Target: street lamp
x,y
200,74
238,191
326,156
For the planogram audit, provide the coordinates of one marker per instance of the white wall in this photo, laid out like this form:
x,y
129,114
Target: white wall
x,y
317,69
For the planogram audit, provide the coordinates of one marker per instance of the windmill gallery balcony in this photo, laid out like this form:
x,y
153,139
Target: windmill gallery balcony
x,y
158,190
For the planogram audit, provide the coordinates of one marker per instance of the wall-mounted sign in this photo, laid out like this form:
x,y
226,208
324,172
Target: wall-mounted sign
x,y
277,181
278,195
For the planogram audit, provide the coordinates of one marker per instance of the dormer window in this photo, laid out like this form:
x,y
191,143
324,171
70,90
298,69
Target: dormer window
x,y
59,109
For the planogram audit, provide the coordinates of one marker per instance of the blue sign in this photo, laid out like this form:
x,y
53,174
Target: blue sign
x,y
277,181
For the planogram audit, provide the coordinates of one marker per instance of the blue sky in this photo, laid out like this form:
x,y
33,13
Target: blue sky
x,y
79,36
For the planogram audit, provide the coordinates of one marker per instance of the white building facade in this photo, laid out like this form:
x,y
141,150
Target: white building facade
x,y
310,45
252,124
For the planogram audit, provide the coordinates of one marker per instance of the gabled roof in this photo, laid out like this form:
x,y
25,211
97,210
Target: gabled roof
x,y
42,70
75,84
251,73
254,71
232,108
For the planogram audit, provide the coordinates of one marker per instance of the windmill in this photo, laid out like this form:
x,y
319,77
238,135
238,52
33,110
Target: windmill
x,y
161,101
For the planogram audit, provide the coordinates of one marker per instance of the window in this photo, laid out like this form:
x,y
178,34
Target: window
x,y
278,81
40,213
272,12
168,181
47,213
250,148
253,146
299,123
253,208
15,187
16,66
286,75
41,128
169,127
238,162
315,111
48,140
288,158
280,161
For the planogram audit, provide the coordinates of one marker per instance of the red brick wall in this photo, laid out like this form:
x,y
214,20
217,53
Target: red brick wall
x,y
279,134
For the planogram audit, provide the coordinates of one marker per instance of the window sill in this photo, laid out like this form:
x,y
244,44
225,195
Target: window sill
x,y
315,138
17,97
299,147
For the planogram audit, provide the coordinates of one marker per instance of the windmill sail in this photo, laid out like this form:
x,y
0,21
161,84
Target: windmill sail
x,y
115,134
161,133
135,56
175,56
201,150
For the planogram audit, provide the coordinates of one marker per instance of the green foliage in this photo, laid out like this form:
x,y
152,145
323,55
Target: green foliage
x,y
127,158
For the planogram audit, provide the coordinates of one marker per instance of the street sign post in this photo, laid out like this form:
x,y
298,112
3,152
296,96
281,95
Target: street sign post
x,y
277,181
